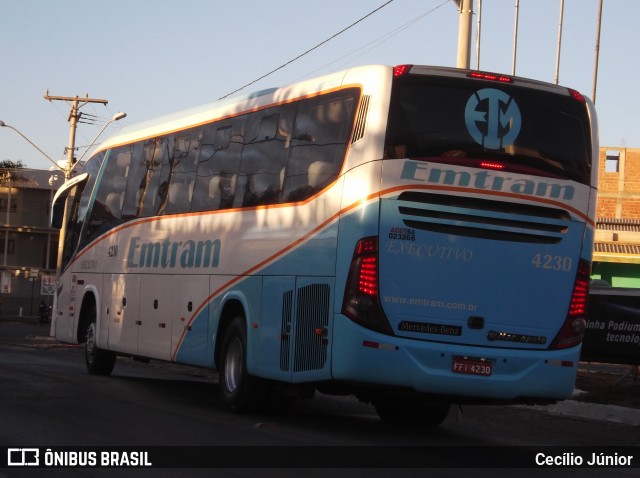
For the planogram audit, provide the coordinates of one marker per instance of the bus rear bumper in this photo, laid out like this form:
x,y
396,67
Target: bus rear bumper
x,y
364,356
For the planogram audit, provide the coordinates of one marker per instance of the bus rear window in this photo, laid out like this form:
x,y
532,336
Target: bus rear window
x,y
481,124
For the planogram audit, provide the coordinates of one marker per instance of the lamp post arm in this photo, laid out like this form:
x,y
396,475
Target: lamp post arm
x,y
4,125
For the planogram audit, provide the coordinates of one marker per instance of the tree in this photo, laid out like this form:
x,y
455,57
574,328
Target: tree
x,y
9,174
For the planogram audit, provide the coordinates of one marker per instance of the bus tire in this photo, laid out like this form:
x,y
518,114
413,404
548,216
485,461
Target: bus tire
x,y
239,390
412,412
99,362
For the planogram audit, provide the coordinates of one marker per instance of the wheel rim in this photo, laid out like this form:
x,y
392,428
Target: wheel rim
x,y
90,342
233,365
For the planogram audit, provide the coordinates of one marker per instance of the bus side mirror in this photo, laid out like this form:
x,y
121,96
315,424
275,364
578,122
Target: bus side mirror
x,y
60,200
57,214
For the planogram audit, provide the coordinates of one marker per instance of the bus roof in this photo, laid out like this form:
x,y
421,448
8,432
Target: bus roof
x,y
222,108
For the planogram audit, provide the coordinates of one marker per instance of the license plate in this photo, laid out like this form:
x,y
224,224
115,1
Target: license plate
x,y
472,366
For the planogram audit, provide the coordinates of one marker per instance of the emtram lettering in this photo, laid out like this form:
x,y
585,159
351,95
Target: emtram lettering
x,y
170,254
423,171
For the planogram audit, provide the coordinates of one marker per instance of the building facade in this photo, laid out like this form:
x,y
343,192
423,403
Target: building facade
x,y
28,246
616,258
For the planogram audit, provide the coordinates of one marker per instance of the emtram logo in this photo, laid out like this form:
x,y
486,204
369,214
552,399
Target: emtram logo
x,y
23,456
493,118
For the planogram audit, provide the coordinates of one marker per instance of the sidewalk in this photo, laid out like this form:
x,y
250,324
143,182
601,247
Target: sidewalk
x,y
20,318
593,411
604,392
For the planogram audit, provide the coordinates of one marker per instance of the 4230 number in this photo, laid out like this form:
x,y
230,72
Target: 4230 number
x,y
552,263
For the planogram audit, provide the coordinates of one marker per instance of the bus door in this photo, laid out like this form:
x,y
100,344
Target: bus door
x,y
122,307
154,330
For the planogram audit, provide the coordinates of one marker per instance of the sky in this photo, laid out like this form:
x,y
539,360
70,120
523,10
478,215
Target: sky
x,y
153,57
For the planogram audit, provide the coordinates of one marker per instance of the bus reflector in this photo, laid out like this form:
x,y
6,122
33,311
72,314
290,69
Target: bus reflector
x,y
481,75
575,324
378,345
361,302
401,70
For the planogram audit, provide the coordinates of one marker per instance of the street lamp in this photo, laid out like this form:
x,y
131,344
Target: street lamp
x,y
116,117
5,125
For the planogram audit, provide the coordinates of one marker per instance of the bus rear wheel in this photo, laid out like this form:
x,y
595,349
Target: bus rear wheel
x,y
412,411
239,390
99,362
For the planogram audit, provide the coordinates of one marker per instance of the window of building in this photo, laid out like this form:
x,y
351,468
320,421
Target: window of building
x,y
612,162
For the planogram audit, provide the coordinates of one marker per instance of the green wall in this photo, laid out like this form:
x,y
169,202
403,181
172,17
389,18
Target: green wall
x,y
617,274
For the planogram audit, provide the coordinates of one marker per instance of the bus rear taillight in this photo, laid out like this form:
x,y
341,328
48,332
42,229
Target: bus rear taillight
x,y
361,301
575,324
482,75
492,165
576,95
401,70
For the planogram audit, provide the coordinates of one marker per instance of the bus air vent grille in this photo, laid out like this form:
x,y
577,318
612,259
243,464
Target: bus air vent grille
x,y
483,218
287,308
312,322
361,120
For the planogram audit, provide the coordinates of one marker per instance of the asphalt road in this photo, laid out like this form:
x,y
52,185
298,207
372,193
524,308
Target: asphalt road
x,y
48,400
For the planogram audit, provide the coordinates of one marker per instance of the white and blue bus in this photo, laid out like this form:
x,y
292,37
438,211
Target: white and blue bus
x,y
415,236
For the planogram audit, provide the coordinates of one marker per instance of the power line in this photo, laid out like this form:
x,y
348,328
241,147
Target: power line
x,y
309,50
378,41
384,38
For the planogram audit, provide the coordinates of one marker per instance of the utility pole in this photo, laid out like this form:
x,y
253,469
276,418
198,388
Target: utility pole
x,y
595,68
559,49
464,32
515,38
478,31
74,115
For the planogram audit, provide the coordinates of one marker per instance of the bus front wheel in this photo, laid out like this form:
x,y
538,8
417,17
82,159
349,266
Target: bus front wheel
x,y
239,390
99,362
412,412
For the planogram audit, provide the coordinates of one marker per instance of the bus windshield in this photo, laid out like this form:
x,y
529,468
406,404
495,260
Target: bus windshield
x,y
492,125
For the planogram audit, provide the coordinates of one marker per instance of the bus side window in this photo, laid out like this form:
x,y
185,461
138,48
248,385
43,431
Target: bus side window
x,y
106,211
319,143
265,156
183,170
79,227
218,161
154,187
137,172
115,197
70,241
